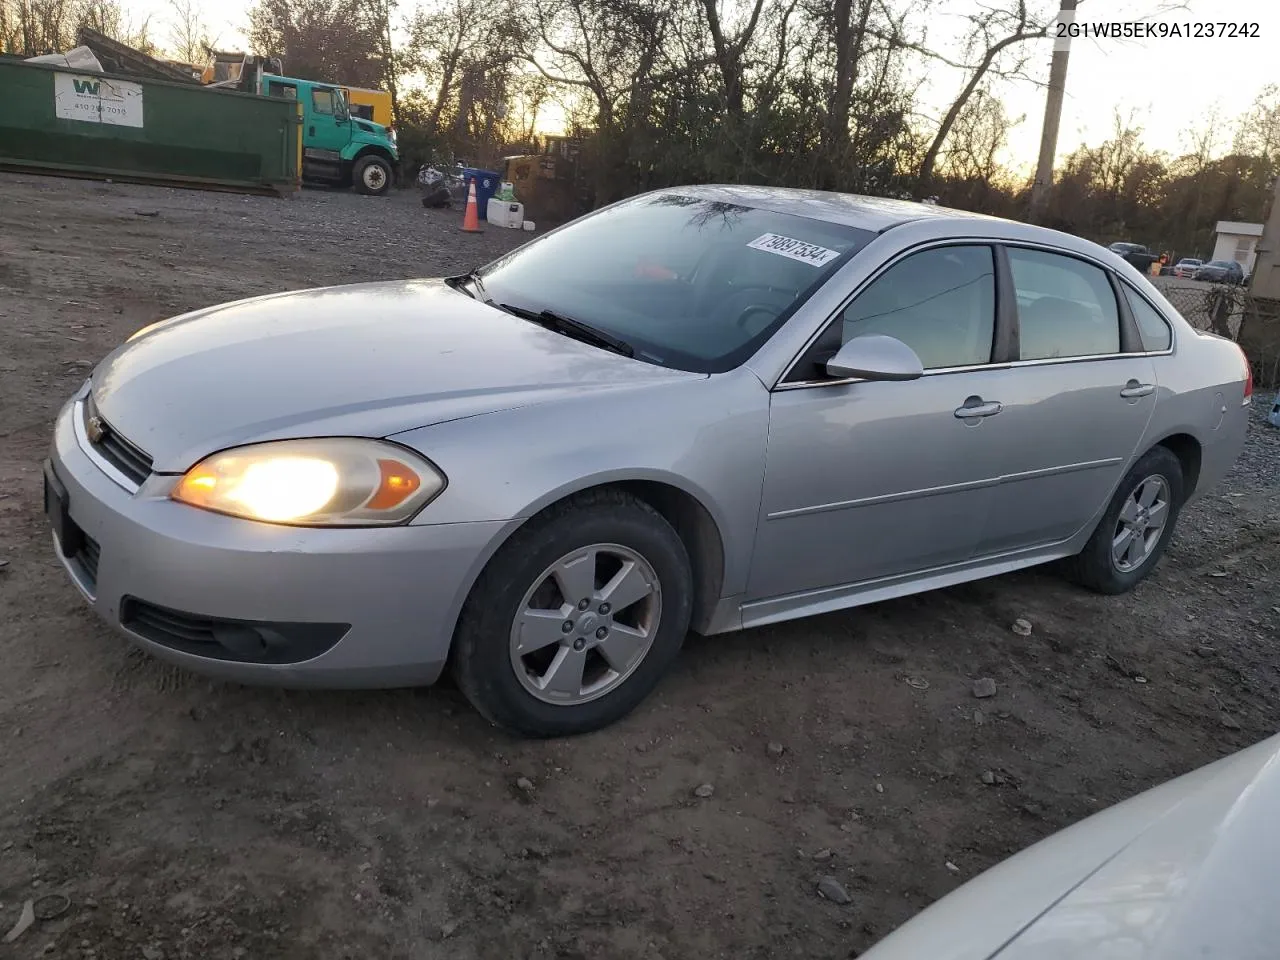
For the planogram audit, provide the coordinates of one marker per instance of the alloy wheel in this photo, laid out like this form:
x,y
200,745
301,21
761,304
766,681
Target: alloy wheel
x,y
1141,523
585,624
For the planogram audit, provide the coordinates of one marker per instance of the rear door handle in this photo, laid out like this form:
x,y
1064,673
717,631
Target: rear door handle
x,y
977,407
1133,389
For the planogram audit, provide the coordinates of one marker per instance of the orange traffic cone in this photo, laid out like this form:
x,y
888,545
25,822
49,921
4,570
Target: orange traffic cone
x,y
471,219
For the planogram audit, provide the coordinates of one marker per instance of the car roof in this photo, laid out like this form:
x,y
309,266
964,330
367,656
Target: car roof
x,y
867,213
878,214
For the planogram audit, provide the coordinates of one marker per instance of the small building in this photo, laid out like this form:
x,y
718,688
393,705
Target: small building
x,y
1237,241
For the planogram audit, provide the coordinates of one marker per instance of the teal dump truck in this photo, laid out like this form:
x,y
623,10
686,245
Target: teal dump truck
x,y
337,148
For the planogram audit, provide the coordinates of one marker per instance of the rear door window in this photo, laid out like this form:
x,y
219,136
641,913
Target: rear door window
x,y
1066,307
1155,331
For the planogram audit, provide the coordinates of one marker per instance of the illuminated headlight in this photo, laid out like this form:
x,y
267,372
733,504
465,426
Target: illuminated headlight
x,y
334,482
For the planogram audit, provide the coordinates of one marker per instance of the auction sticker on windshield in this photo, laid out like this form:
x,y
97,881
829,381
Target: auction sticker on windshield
x,y
795,249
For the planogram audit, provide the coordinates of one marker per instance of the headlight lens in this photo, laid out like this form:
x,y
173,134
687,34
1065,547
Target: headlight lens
x,y
332,482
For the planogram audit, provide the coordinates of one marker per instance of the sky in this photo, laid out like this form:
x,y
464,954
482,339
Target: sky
x,y
1165,85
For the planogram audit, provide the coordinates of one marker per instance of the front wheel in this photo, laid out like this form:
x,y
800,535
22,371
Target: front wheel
x,y
576,619
372,176
1133,533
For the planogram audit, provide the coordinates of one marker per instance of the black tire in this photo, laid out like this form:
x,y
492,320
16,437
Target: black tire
x,y
1094,566
481,661
372,176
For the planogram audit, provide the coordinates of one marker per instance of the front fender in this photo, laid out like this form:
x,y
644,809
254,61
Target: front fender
x,y
704,436
356,147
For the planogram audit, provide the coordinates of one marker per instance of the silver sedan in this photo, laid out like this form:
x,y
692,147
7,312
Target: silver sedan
x,y
702,408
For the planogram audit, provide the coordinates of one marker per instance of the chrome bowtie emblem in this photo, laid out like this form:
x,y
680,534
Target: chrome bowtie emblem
x,y
95,429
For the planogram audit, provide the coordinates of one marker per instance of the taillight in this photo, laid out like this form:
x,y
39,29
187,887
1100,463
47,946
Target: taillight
x,y
1248,378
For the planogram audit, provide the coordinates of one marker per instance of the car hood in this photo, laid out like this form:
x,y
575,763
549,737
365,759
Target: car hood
x,y
1187,870
363,360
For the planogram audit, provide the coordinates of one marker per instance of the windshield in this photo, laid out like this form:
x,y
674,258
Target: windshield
x,y
1219,263
685,282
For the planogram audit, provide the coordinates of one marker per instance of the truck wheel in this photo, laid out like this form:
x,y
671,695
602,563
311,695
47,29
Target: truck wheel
x,y
373,176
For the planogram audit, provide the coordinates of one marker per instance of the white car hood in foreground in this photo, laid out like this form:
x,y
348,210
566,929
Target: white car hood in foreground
x,y
1188,870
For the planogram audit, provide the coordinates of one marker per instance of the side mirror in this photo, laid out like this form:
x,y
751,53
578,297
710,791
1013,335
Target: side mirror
x,y
876,357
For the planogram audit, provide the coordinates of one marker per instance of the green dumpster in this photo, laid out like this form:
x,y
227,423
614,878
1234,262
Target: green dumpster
x,y
56,120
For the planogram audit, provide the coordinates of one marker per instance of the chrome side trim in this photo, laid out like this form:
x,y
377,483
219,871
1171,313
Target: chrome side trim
x,y
950,488
82,439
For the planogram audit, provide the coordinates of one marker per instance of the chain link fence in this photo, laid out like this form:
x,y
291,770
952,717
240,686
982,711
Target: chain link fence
x,y
1232,312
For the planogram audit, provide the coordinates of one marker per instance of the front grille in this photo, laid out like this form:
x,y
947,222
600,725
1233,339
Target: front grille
x,y
220,639
115,449
87,556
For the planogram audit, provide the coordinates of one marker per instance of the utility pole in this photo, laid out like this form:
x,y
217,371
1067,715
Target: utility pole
x,y
1052,114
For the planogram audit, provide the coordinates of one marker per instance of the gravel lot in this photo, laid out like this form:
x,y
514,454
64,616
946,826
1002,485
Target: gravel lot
x,y
185,819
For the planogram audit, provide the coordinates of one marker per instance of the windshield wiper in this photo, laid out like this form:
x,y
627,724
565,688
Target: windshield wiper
x,y
572,328
472,277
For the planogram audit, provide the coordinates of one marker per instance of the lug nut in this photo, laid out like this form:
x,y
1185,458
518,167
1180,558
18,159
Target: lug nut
x,y
605,608
579,644
602,633
567,626
583,604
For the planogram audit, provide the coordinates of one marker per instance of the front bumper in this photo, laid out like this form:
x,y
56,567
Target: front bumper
x,y
389,597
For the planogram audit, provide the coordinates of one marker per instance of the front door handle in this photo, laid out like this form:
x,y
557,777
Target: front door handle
x,y
1133,389
977,407
311,131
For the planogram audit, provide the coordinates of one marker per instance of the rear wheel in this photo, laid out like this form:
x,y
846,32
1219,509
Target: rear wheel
x,y
576,619
372,176
1133,533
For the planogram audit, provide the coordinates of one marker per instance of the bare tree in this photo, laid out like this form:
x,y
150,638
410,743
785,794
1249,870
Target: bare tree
x,y
35,27
992,32
1258,133
332,40
441,42
730,47
189,38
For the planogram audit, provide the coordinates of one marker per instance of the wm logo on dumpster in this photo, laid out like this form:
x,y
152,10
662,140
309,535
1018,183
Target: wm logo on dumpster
x,y
91,87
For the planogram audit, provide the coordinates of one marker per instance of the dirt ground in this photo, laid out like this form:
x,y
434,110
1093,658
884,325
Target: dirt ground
x,y
186,819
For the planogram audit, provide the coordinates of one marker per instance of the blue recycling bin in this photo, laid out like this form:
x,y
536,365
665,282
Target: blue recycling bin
x,y
487,183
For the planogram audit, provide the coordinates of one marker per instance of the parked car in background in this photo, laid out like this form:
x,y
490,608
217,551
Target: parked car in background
x,y
1186,870
1221,271
1186,268
704,407
1135,253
